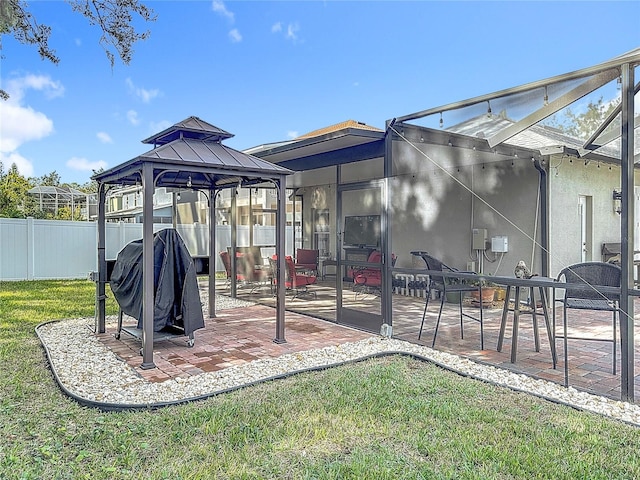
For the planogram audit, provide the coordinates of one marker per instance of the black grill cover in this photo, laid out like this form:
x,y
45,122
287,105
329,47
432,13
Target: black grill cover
x,y
177,299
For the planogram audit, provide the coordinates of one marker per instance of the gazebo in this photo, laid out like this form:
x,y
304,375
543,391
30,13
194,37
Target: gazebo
x,y
188,155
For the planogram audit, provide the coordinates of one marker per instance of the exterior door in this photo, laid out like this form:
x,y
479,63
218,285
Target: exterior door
x,y
359,253
584,212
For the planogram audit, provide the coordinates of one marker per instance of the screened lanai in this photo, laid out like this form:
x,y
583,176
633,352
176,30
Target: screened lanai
x,y
189,155
591,115
511,163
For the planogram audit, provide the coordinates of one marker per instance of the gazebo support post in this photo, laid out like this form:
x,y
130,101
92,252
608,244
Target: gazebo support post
x,y
212,253
147,266
234,243
280,244
102,261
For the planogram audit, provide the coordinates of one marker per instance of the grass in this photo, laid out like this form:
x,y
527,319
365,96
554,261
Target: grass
x,y
390,418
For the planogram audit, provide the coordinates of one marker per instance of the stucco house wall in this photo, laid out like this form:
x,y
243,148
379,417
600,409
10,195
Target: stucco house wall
x,y
569,179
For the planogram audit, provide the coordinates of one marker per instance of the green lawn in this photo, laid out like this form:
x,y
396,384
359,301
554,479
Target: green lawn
x,y
387,418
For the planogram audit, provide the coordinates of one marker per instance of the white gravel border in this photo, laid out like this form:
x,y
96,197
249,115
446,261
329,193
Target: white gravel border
x,y
110,383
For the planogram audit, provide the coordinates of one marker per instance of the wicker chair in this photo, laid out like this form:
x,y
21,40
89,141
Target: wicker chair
x,y
594,274
443,286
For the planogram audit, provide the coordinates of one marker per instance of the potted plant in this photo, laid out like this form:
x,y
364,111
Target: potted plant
x,y
488,291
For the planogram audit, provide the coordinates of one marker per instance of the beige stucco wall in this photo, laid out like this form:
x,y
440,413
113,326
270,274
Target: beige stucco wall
x,y
570,178
435,210
431,211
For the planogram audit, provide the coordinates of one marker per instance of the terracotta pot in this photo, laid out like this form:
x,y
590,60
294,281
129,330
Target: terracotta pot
x,y
487,295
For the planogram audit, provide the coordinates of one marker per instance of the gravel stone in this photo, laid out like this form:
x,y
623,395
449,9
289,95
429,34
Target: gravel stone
x,y
109,380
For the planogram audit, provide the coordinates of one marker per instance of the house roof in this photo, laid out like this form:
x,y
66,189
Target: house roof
x,y
339,126
537,137
344,142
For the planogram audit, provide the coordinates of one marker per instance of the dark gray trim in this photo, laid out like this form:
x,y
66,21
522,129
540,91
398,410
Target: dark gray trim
x,y
626,235
356,153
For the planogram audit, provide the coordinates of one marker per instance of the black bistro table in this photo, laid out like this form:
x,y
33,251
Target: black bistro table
x,y
536,283
533,284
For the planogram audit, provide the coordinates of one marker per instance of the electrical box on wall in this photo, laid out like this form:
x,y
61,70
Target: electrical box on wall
x,y
479,239
500,244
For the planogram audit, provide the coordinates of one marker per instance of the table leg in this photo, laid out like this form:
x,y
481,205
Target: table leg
x,y
516,320
503,322
552,340
536,334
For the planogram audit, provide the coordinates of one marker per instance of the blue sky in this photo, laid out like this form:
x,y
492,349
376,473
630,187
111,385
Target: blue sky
x,y
269,71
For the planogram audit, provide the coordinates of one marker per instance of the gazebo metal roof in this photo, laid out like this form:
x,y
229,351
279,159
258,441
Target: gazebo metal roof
x,y
189,154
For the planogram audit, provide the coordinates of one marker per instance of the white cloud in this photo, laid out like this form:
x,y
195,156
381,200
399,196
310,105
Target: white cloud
x,y
292,134
20,123
219,7
82,164
132,116
292,32
156,127
17,86
142,93
25,167
235,36
104,137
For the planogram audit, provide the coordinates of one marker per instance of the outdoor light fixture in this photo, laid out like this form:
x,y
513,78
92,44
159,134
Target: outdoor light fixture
x,y
617,202
489,108
546,96
441,121
189,182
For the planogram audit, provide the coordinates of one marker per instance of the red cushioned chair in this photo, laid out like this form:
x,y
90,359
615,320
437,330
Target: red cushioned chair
x,y
307,259
368,279
295,281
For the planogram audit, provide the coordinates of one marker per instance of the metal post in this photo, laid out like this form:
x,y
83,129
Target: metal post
x,y
281,220
234,242
387,305
148,188
212,253
626,235
102,261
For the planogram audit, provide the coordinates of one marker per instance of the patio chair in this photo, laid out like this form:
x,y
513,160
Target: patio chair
x,y
226,261
294,281
444,286
593,274
369,279
247,272
307,259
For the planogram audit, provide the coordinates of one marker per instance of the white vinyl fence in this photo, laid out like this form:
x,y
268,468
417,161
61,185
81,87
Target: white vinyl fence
x,y
32,249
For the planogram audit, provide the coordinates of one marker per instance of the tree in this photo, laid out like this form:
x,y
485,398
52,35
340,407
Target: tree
x,y
52,179
14,201
114,17
583,125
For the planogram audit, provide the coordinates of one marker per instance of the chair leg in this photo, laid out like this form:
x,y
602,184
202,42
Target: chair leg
x,y
614,341
566,356
481,324
424,314
461,322
435,333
